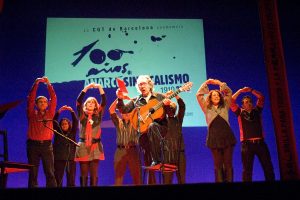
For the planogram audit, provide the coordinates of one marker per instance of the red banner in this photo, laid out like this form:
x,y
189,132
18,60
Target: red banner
x,y
278,88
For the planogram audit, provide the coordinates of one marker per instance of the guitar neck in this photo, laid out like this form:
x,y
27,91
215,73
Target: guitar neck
x,y
156,107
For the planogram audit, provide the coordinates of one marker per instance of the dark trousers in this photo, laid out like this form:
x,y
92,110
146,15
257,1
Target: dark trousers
x,y
156,134
151,146
146,156
223,163
127,157
68,166
259,149
37,151
180,173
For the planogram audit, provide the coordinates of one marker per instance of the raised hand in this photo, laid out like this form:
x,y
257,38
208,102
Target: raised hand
x,y
169,93
65,107
46,80
97,86
213,81
119,94
167,102
246,89
39,80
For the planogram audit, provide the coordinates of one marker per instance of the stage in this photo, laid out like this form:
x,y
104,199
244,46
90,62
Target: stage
x,y
254,190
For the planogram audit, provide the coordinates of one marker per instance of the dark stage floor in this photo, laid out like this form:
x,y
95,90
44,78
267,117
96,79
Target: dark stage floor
x,y
241,191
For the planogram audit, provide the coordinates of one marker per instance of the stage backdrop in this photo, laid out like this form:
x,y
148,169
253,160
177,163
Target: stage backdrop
x,y
101,50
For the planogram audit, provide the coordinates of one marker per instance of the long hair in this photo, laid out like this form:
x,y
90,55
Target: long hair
x,y
68,121
209,102
97,106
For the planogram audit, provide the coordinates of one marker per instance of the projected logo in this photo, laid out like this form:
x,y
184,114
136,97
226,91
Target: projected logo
x,y
103,60
99,57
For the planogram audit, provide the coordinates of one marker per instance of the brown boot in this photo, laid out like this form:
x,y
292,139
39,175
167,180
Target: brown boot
x,y
83,181
229,175
93,181
219,178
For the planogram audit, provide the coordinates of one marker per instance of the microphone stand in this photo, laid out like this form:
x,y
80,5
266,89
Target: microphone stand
x,y
62,135
138,124
139,136
141,150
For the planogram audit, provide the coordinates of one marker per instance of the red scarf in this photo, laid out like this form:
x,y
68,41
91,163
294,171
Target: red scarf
x,y
88,130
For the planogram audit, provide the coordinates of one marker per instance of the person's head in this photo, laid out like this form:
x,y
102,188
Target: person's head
x,y
126,116
91,105
65,124
144,85
247,103
171,109
215,98
41,103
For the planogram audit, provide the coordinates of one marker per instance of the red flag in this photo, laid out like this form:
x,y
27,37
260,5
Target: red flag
x,y
123,88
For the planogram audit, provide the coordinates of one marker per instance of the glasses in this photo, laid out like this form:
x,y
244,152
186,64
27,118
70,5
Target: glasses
x,y
142,84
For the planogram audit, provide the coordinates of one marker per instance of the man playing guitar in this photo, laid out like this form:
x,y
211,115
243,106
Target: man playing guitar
x,y
156,129
149,116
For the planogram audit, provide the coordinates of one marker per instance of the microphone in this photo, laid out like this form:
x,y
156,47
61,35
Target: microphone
x,y
44,120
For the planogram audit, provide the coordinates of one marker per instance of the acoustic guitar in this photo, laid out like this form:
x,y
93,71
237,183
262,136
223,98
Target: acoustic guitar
x,y
143,116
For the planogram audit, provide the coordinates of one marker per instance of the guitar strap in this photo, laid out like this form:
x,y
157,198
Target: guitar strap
x,y
135,103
